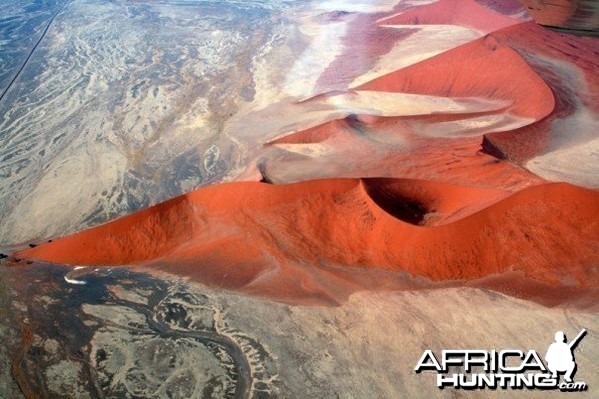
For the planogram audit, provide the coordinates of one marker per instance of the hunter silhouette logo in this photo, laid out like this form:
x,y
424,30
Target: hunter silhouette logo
x,y
508,368
559,356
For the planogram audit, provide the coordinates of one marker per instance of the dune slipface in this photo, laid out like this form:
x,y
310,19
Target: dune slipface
x,y
484,68
576,15
561,146
258,237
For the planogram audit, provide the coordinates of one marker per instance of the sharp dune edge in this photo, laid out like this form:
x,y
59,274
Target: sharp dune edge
x,y
253,236
453,12
484,68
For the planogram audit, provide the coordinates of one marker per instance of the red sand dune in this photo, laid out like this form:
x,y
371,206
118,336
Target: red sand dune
x,y
580,15
552,13
537,88
484,68
466,13
318,133
266,239
581,54
457,161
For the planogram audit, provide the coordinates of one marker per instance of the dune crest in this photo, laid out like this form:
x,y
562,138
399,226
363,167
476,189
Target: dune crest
x,y
453,12
484,68
258,237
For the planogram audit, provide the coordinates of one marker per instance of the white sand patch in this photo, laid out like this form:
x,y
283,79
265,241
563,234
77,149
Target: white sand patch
x,y
363,6
72,281
404,104
325,46
475,126
429,41
578,165
573,155
310,150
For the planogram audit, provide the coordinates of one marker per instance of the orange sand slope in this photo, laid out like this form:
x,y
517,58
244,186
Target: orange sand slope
x,y
575,89
453,12
549,231
581,15
484,68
